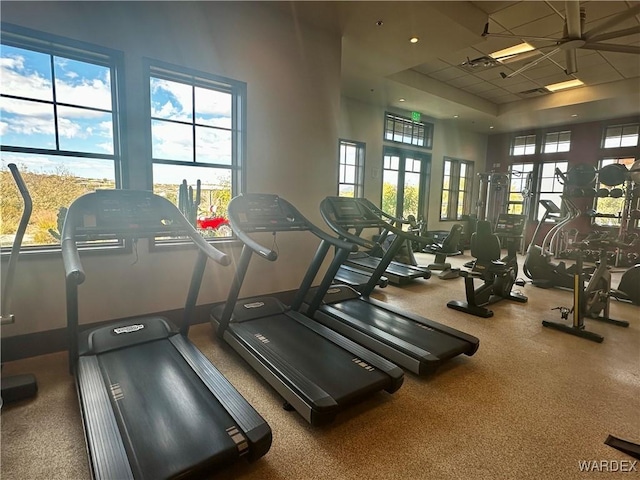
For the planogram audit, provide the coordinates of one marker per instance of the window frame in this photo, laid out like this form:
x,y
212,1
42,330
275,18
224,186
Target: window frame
x,y
360,156
622,128
80,51
194,78
557,142
525,145
426,135
453,205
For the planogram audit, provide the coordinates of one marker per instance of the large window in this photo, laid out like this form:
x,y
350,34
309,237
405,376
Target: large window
x,y
457,184
550,187
523,145
197,133
531,182
405,130
351,169
60,126
617,136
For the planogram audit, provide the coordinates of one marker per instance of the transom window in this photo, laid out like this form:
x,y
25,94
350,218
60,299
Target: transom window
x,y
351,169
60,126
524,145
404,130
197,134
557,142
621,136
457,184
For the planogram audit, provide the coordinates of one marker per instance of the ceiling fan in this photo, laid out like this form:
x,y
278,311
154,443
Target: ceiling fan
x,y
573,38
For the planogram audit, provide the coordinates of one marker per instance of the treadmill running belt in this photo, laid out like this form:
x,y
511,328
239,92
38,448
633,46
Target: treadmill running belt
x,y
330,367
165,414
442,345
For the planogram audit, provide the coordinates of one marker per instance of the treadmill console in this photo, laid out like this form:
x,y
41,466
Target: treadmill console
x,y
122,212
256,212
550,206
351,212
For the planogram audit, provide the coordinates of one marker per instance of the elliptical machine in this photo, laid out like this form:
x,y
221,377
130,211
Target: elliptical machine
x,y
16,387
591,301
498,276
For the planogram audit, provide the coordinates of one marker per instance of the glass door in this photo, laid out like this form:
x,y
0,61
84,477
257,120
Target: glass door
x,y
404,182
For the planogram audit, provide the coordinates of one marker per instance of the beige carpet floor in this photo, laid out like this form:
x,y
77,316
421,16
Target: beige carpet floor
x,y
531,404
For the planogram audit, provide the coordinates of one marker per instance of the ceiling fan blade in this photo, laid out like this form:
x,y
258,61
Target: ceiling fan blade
x,y
610,47
572,17
612,21
571,61
616,34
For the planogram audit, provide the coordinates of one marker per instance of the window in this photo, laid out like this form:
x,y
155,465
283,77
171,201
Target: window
x,y
531,182
550,186
521,182
197,133
609,209
404,130
457,184
557,142
60,126
621,136
524,145
351,169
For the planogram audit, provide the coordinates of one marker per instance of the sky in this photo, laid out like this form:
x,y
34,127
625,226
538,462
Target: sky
x,y
86,125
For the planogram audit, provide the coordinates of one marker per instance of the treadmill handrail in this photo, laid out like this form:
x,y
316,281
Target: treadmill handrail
x,y
333,223
70,254
267,252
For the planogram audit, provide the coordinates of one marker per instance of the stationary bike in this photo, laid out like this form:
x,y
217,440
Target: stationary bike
x,y
591,301
498,275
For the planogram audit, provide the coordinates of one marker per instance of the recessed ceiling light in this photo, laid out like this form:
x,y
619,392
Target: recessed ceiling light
x,y
379,23
574,115
505,54
414,39
455,116
554,87
491,127
401,100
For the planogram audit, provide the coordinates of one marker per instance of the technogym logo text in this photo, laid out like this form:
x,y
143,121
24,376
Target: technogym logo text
x,y
622,466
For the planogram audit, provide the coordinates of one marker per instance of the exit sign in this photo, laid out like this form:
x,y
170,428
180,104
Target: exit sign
x,y
415,116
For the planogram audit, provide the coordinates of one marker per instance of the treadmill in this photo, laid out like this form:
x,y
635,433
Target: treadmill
x,y
398,273
416,343
357,278
316,370
152,404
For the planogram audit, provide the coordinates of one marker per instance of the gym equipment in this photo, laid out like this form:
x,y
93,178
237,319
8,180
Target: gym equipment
x,y
449,246
317,371
152,404
16,387
413,342
537,264
613,175
629,286
498,276
593,301
398,273
357,278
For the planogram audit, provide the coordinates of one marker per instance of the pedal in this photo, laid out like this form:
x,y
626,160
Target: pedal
x,y
520,282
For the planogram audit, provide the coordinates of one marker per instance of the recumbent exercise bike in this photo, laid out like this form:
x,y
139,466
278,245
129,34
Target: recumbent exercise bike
x,y
498,275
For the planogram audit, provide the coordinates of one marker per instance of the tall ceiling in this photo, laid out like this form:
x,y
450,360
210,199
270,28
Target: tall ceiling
x,y
381,66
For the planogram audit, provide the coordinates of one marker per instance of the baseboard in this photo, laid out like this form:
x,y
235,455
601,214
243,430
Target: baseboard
x,y
51,341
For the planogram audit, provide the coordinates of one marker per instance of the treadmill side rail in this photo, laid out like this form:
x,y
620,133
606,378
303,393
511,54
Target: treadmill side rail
x,y
251,423
108,455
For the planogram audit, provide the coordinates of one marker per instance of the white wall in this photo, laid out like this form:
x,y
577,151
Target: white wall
x,y
364,123
293,81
